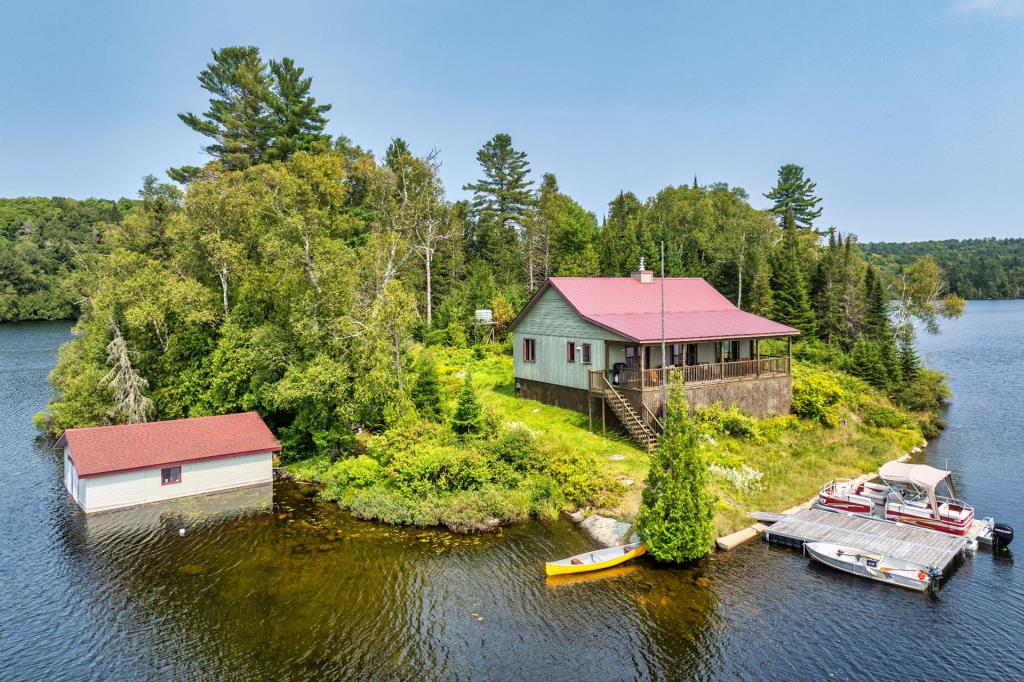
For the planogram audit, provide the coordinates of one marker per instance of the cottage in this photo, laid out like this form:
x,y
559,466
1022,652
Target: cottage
x,y
591,343
108,467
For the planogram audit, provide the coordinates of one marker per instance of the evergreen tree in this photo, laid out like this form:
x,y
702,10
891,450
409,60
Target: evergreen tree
x,y
876,313
466,420
297,121
500,200
910,364
675,519
239,117
258,112
791,305
826,293
426,391
865,361
793,198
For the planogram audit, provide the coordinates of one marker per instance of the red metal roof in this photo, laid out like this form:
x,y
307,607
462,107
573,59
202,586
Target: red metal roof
x,y
694,310
105,449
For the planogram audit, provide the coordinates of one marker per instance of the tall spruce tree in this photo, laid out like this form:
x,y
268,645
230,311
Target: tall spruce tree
x,y
793,198
827,291
466,420
791,304
500,201
426,391
675,519
876,314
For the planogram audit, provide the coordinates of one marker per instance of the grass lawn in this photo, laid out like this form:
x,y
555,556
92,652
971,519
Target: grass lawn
x,y
794,457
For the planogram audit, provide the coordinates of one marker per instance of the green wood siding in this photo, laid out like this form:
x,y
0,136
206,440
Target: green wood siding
x,y
553,323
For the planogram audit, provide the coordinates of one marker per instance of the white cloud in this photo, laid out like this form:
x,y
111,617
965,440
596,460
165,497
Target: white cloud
x,y
1002,8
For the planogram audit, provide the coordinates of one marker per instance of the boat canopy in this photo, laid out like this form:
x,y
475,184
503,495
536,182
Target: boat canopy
x,y
921,475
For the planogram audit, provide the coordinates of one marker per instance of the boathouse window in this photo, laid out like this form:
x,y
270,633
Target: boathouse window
x,y
585,353
529,350
170,475
570,351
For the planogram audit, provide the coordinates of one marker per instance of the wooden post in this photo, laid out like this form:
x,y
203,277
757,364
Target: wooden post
x,y
757,355
643,379
604,430
590,412
789,363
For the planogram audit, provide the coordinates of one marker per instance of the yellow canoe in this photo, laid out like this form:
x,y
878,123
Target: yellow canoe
x,y
596,560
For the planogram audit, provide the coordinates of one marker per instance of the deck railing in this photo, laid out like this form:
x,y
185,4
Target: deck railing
x,y
730,370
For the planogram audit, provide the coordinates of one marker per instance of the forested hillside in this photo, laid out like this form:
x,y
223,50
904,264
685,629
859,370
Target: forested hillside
x,y
41,242
974,268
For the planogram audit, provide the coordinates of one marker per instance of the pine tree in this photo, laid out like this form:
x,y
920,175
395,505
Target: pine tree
x,y
675,519
131,406
500,201
791,305
466,420
258,112
239,117
793,198
426,391
297,121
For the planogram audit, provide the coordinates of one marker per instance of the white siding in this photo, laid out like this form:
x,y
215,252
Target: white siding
x,y
128,488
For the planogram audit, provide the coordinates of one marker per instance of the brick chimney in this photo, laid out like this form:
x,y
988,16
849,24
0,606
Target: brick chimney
x,y
643,275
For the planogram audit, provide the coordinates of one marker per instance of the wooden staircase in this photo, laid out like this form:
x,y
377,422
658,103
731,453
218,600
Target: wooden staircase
x,y
638,429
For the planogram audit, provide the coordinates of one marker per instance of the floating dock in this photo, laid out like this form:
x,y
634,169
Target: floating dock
x,y
919,545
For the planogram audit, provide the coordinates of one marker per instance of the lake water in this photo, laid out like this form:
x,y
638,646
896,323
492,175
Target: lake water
x,y
276,585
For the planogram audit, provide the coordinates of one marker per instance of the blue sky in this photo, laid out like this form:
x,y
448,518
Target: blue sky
x,y
909,115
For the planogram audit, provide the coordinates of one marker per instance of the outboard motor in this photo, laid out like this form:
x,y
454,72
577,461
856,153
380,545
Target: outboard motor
x,y
1002,535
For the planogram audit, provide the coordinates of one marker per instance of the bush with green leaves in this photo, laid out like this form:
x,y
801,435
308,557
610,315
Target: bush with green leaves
x,y
518,447
426,390
817,395
581,479
437,469
718,421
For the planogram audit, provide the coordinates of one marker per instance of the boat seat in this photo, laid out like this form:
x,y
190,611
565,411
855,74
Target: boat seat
x,y
959,514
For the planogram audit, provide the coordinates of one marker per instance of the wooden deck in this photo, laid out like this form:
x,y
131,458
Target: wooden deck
x,y
922,546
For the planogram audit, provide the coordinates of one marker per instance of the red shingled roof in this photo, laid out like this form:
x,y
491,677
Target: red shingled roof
x,y
694,310
104,449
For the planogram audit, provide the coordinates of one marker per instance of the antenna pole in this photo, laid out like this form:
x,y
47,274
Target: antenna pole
x,y
664,357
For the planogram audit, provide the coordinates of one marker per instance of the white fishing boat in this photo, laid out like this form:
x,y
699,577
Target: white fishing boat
x,y
880,567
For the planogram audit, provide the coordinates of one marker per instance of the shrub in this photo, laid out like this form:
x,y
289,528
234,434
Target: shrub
x,y
926,392
384,446
432,469
546,498
479,510
518,447
817,396
717,421
356,472
380,503
882,416
581,479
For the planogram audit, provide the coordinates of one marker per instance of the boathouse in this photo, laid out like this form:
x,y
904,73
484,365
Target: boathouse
x,y
595,343
109,467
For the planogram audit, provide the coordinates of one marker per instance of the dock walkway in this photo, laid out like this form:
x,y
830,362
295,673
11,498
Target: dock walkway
x,y
922,546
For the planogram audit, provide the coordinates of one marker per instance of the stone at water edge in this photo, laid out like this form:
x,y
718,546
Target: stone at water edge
x,y
607,531
576,516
